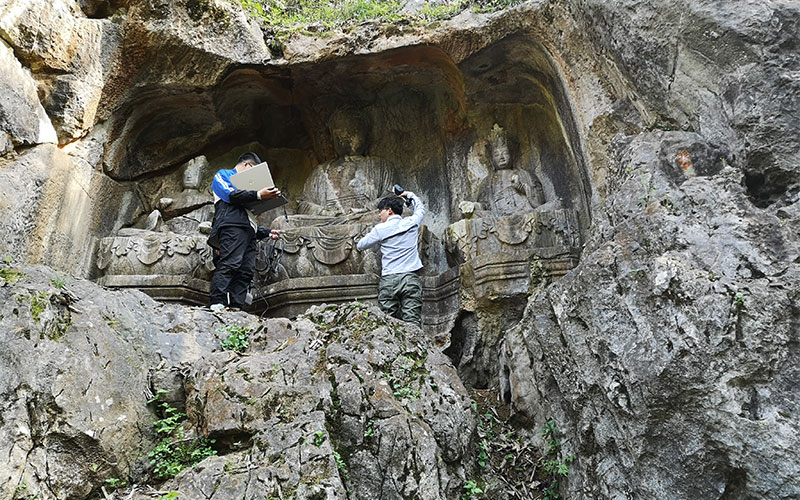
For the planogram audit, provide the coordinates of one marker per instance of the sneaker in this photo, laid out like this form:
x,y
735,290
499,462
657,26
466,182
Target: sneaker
x,y
216,307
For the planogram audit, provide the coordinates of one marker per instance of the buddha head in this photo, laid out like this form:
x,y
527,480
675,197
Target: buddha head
x,y
498,148
348,130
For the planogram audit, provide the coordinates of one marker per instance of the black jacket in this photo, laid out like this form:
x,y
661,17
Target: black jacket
x,y
233,214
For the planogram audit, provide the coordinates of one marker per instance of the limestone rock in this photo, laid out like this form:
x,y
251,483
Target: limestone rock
x,y
154,122
54,206
73,404
668,355
675,335
22,118
69,55
344,398
724,71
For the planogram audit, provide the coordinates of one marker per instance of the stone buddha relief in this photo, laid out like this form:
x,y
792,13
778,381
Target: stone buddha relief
x,y
337,207
511,213
344,189
508,190
167,247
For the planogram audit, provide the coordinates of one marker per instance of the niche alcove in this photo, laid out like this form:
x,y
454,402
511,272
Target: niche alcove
x,y
489,142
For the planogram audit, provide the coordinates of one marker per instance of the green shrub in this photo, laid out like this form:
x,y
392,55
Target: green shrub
x,y
10,275
59,282
115,483
471,490
553,464
174,452
237,339
286,16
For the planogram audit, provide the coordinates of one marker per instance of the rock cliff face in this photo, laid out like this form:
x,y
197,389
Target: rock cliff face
x,y
667,354
344,399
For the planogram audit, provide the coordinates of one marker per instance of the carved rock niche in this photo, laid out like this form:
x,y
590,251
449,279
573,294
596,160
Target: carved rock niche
x,y
425,116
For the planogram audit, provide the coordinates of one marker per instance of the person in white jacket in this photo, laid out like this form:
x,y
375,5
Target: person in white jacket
x,y
400,288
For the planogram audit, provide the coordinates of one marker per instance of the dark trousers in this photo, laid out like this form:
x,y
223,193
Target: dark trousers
x,y
400,296
235,265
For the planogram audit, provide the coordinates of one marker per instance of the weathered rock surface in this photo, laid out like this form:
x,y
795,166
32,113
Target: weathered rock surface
x,y
342,399
675,339
22,118
341,385
54,205
667,355
76,378
670,349
69,55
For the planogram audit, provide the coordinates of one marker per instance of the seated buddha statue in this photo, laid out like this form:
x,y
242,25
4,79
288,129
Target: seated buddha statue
x,y
507,190
337,206
164,253
510,214
347,188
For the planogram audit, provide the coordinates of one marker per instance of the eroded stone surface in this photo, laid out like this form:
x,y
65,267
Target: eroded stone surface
x,y
670,127
342,384
70,56
343,398
675,335
22,117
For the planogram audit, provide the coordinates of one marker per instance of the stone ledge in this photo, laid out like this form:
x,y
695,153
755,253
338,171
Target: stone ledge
x,y
163,287
509,273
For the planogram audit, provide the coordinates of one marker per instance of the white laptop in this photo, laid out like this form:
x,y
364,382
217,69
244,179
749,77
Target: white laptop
x,y
256,178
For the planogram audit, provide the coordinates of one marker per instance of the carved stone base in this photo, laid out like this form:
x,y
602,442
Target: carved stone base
x,y
468,239
513,272
166,266
292,297
323,251
181,289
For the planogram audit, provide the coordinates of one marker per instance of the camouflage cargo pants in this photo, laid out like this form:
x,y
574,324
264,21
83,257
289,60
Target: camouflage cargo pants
x,y
400,295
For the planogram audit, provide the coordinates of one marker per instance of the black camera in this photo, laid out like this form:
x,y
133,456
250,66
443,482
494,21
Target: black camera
x,y
398,190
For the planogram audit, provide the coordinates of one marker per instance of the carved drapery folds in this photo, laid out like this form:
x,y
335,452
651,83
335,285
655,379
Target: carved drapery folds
x,y
501,256
137,252
469,238
318,251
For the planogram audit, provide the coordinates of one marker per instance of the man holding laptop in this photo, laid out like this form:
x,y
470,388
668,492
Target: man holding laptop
x,y
235,230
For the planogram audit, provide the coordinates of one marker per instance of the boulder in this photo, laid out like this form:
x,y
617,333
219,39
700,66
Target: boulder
x,y
344,398
69,55
23,120
673,341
